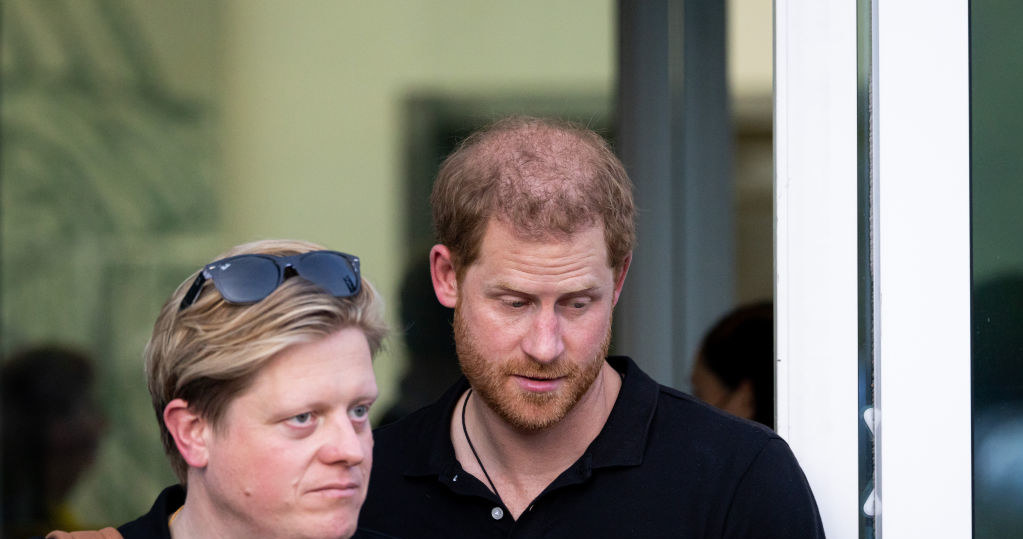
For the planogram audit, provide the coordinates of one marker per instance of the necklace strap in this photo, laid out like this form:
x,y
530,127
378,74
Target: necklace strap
x,y
174,516
465,430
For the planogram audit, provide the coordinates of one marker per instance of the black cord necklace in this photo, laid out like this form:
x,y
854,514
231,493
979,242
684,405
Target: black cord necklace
x,y
465,431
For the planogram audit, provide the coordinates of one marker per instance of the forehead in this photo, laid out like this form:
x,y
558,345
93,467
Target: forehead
x,y
338,366
506,254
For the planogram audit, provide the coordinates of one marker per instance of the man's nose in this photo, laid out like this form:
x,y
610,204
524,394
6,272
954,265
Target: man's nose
x,y
342,442
543,342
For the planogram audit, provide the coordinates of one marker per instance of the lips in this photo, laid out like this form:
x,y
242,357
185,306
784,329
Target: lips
x,y
340,489
538,384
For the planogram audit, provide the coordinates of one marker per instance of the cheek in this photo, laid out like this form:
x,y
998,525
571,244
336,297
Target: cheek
x,y
493,332
589,332
280,466
366,439
367,449
366,466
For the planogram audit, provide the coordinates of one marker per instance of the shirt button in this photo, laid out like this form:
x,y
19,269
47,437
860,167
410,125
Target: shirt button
x,y
497,513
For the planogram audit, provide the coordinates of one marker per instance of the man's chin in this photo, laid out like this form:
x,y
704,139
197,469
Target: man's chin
x,y
531,411
532,423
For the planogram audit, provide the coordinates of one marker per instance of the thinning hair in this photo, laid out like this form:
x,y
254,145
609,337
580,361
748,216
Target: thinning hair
x,y
210,352
543,177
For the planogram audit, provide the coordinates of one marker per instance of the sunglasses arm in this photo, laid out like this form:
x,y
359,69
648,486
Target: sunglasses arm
x,y
193,291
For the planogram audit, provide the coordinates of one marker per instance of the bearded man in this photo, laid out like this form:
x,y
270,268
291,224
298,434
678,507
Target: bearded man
x,y
546,435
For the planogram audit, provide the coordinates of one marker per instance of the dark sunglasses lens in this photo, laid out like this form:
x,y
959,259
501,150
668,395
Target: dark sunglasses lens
x,y
245,279
331,271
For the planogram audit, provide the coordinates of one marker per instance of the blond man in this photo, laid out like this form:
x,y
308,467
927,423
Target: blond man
x,y
260,372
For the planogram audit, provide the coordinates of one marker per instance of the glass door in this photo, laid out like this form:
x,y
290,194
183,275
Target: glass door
x,y
996,169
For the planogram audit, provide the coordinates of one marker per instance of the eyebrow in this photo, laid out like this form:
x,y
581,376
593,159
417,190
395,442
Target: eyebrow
x,y
360,394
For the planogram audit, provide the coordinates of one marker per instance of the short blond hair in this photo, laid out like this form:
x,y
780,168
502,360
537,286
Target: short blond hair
x,y
209,352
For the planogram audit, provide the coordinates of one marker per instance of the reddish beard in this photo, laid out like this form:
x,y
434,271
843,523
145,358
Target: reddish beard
x,y
526,411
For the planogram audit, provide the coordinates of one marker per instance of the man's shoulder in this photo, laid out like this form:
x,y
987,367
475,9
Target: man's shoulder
x,y
679,406
740,465
682,433
679,414
154,523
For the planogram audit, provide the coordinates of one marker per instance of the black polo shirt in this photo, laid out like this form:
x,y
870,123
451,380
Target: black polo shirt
x,y
664,465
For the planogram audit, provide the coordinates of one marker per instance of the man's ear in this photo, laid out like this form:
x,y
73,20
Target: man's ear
x,y
445,280
190,431
620,278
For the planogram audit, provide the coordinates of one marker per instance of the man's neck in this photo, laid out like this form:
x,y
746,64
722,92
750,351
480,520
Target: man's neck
x,y
523,464
198,519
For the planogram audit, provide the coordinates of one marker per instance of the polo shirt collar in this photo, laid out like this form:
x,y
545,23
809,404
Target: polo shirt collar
x,y
622,441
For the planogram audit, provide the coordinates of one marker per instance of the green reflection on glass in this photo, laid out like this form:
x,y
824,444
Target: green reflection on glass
x,y
996,100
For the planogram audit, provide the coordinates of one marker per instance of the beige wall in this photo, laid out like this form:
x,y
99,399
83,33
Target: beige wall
x,y
750,49
750,44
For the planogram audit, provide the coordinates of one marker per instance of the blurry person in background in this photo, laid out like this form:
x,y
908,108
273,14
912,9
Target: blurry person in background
x,y
260,372
734,368
51,428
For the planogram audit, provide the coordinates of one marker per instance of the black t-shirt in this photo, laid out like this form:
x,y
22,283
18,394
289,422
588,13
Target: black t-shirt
x,y
664,465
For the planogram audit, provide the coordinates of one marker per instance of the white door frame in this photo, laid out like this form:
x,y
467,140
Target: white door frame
x,y
816,291
924,384
922,267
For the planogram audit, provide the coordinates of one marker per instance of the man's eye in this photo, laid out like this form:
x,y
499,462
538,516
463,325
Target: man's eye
x,y
577,303
301,419
360,412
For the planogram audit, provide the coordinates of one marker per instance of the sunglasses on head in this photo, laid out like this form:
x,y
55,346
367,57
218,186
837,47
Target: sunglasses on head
x,y
250,278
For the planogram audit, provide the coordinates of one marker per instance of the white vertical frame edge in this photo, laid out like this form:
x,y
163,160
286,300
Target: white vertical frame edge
x,y
816,249
924,269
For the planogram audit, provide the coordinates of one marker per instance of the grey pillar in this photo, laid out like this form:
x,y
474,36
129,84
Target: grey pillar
x,y
674,136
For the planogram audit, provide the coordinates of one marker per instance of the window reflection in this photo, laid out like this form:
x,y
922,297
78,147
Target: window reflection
x,y
996,80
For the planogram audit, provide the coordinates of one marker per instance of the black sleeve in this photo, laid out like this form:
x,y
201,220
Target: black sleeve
x,y
773,498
